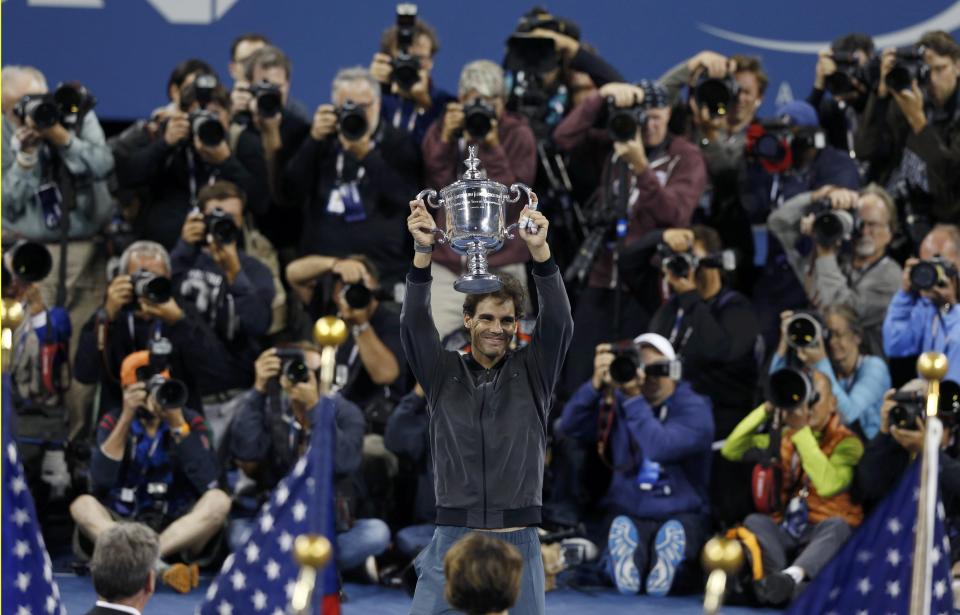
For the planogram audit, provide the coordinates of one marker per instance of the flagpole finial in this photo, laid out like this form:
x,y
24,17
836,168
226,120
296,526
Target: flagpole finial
x,y
312,552
932,365
329,332
721,557
11,315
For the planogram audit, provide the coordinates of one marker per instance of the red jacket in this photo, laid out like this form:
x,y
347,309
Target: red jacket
x,y
514,160
665,196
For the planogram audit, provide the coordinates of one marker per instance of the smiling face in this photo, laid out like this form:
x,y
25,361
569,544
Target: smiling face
x,y
492,328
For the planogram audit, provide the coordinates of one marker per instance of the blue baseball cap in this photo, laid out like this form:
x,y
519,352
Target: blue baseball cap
x,y
800,113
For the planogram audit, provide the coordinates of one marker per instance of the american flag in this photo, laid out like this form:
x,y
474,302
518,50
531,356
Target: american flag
x,y
28,585
260,577
871,574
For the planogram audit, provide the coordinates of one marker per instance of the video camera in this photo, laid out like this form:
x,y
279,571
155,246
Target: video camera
x,y
152,287
911,406
718,96
66,105
478,118
680,264
831,227
929,273
221,226
804,330
790,388
406,67
168,392
293,365
352,121
776,143
627,361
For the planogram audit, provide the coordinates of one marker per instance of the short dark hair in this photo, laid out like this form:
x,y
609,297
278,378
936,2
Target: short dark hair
x,y
220,191
941,43
123,557
388,40
483,574
855,41
267,57
751,64
253,37
709,237
511,290
186,68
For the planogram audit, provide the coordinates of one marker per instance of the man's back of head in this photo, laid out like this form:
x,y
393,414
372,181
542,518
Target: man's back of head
x,y
123,564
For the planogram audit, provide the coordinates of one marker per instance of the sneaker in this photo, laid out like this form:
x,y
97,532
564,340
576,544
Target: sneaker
x,y
775,588
621,543
181,577
669,545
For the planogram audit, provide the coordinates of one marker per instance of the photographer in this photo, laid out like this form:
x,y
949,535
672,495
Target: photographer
x,y
153,464
272,431
924,314
857,380
658,434
863,276
231,291
916,138
817,458
665,176
373,357
353,176
55,168
411,102
242,48
172,158
507,150
900,440
841,87
715,332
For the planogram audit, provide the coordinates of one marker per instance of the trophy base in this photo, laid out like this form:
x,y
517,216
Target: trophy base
x,y
478,284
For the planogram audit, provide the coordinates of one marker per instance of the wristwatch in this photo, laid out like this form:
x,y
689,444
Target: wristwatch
x,y
356,330
422,249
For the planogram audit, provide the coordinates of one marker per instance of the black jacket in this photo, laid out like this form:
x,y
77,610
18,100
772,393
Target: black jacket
x,y
488,427
407,435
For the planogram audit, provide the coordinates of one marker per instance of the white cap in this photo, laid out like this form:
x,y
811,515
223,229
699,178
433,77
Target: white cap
x,y
659,342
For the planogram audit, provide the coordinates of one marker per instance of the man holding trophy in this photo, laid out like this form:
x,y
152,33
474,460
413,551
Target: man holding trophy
x,y
488,408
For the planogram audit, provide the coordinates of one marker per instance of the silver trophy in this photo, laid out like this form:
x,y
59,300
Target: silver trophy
x,y
476,221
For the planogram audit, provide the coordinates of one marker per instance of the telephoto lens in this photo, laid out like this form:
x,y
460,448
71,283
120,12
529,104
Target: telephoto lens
x,y
803,331
624,367
718,96
830,228
789,388
352,120
152,287
30,261
478,118
929,273
207,127
168,393
41,108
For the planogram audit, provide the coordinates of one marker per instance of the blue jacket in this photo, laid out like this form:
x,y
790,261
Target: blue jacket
x,y
679,440
860,397
402,114
914,325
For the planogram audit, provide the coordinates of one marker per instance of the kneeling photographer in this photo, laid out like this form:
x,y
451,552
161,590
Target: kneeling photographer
x,y
271,431
153,463
857,380
231,291
807,463
848,263
654,432
924,315
901,439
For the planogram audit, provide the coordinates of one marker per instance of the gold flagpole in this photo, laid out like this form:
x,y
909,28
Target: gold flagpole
x,y
721,557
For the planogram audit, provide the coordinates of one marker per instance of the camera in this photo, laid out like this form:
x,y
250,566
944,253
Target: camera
x,y
776,143
718,96
41,108
268,97
30,261
203,86
207,127
790,388
478,118
929,273
221,226
293,366
73,102
352,121
911,405
803,331
623,122
681,263
152,287
832,226
626,361
849,72
908,66
169,393
357,296
406,67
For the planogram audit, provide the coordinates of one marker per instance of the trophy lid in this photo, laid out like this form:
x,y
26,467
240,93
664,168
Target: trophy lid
x,y
474,170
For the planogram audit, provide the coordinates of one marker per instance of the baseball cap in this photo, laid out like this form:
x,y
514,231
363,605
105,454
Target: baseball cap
x,y
800,113
133,362
658,342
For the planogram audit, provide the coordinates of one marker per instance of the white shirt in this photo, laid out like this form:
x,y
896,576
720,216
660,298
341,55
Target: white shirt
x,y
118,607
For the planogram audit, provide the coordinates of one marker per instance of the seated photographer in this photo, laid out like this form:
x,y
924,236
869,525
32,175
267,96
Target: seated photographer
x,y
857,380
666,175
508,153
901,439
848,264
172,158
153,463
916,138
813,514
231,291
655,433
715,332
924,314
354,176
411,101
272,430
841,88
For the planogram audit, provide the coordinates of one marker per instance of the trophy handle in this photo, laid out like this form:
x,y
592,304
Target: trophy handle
x,y
532,202
430,198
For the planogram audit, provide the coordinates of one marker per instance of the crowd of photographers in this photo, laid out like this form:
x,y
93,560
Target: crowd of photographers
x,y
749,295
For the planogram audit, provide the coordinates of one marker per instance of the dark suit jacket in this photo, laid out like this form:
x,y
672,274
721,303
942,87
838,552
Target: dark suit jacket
x,y
102,610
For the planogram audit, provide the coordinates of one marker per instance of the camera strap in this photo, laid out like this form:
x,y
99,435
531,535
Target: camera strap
x,y
415,114
192,177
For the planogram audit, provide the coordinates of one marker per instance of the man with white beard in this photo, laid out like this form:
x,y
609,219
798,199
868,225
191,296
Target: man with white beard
x,y
862,276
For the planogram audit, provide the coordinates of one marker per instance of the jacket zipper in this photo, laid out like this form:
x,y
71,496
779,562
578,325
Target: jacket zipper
x,y
483,451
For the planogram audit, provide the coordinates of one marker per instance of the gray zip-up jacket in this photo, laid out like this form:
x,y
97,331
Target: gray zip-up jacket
x,y
488,428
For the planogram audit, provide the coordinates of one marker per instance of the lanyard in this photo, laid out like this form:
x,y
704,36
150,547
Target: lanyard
x,y
192,177
360,172
411,121
847,383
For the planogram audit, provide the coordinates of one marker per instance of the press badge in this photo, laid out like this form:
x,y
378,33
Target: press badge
x,y
50,203
335,202
127,496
